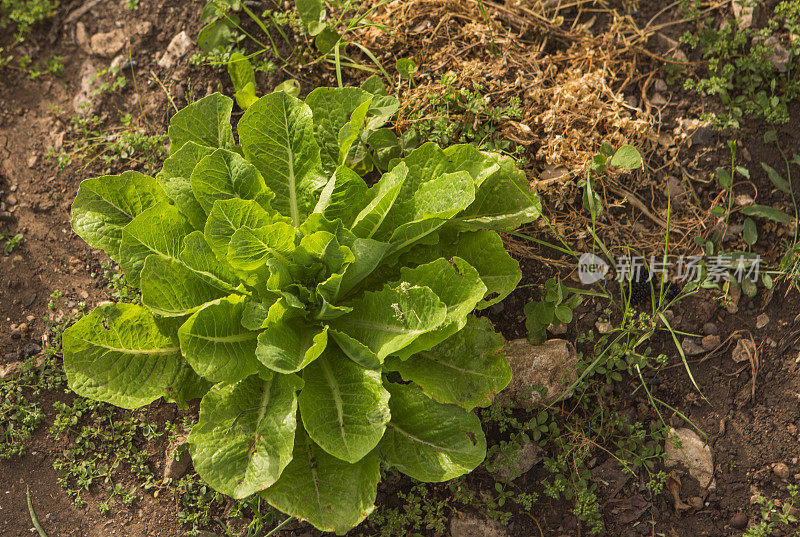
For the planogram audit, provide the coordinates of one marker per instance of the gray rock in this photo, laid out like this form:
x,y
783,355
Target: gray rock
x,y
31,349
472,526
691,348
692,453
517,461
82,37
745,351
176,50
549,367
177,465
710,329
710,342
6,370
107,44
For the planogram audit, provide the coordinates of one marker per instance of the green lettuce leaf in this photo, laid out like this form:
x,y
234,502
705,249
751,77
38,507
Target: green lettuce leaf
x,y
430,441
206,122
458,285
344,406
174,179
468,369
226,217
327,492
277,136
225,175
122,355
289,345
160,230
385,321
172,289
105,205
215,343
244,437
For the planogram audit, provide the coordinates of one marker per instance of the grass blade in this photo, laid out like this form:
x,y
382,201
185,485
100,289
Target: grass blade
x,y
33,514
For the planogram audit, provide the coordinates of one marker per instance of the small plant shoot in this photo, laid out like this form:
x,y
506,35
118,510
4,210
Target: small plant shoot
x,y
325,322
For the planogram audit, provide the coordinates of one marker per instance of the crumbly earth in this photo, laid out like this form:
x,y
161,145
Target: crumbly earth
x,y
749,410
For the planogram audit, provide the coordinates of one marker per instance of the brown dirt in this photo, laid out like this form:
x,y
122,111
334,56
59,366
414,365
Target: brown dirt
x,y
752,421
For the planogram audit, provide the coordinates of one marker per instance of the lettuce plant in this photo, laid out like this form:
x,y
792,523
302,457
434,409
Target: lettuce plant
x,y
326,323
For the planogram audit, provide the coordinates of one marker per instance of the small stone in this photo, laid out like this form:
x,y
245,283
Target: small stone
x,y
658,100
472,526
762,321
743,13
691,348
557,329
12,200
549,367
107,44
781,471
30,299
692,453
553,172
143,27
32,160
176,465
674,188
603,327
6,370
82,37
710,342
739,521
710,329
176,50
517,462
31,349
745,351
660,85
735,294
696,502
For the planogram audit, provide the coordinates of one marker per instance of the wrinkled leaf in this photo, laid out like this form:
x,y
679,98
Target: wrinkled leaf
x,y
122,355
216,344
245,434
430,441
344,406
105,205
329,493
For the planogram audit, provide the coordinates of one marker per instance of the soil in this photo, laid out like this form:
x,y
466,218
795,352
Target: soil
x,y
749,411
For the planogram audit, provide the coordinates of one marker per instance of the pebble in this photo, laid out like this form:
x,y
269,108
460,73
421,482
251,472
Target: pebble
x,y
177,49
739,521
603,327
691,348
12,200
31,349
710,329
7,370
710,342
696,502
762,321
658,100
107,44
781,470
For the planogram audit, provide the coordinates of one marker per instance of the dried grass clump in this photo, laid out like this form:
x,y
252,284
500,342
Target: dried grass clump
x,y
568,67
